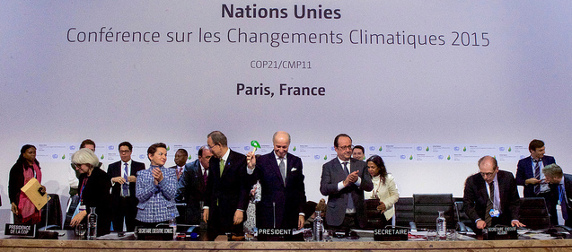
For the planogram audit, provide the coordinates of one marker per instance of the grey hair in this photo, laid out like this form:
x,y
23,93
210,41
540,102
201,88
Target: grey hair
x,y
85,156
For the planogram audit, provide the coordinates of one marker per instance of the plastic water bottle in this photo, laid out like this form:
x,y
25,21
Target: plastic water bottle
x,y
173,224
441,226
91,224
318,228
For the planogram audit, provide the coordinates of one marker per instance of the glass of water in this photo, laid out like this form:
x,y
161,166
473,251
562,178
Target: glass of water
x,y
80,230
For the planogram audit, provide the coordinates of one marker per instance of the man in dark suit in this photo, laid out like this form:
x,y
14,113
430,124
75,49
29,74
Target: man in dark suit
x,y
180,159
490,196
529,174
192,186
123,177
344,180
561,190
227,189
282,185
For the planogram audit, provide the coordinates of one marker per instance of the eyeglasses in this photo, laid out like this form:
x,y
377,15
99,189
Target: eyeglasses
x,y
347,147
124,151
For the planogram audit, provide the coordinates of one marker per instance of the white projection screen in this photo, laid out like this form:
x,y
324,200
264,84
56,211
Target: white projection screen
x,y
430,86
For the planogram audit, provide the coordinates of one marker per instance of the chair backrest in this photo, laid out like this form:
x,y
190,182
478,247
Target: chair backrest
x,y
403,211
372,214
53,212
426,209
533,213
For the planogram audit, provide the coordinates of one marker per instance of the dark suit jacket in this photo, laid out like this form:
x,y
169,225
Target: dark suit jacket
x,y
524,171
286,201
332,174
230,191
476,196
555,196
191,190
96,194
114,170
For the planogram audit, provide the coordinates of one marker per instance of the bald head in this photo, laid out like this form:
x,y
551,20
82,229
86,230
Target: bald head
x,y
281,141
488,168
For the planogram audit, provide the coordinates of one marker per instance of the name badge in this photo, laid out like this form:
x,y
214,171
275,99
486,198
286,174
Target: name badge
x,y
494,213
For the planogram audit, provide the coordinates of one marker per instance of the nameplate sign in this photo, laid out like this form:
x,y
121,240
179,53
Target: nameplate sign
x,y
390,234
269,233
500,233
165,233
20,230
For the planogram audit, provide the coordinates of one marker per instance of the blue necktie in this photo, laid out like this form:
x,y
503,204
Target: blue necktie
x,y
537,176
350,199
563,202
125,186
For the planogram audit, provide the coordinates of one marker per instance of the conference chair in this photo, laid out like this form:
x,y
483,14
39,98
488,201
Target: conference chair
x,y
403,211
426,209
372,214
463,220
51,214
533,213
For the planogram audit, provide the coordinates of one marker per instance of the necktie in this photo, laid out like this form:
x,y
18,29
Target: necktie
x,y
350,199
221,166
563,202
346,168
205,176
125,185
488,217
282,167
179,172
537,176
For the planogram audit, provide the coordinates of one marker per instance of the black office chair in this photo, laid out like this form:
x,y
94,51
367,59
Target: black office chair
x,y
51,214
403,211
372,214
533,213
463,220
426,209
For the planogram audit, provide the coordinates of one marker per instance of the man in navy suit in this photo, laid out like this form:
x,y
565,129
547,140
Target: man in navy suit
x,y
123,177
562,190
192,186
344,180
529,174
226,196
490,196
282,185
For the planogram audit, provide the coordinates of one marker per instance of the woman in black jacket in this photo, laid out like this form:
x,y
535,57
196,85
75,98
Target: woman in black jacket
x,y
94,185
25,168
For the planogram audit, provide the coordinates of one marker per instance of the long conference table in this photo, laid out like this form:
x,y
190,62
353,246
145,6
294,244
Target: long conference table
x,y
65,243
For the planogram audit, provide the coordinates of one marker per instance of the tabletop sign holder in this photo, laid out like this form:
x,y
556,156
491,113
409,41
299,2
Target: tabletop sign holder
x,y
20,230
276,234
390,234
500,233
32,190
157,233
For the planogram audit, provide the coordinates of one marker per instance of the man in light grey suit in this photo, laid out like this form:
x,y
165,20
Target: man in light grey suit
x,y
344,180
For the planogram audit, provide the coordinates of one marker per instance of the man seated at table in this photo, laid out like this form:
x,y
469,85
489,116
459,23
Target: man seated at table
x,y
562,188
490,196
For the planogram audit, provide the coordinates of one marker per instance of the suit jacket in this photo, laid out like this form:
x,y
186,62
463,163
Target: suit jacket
x,y
524,171
476,196
96,194
114,170
332,174
156,202
286,201
191,190
227,193
386,193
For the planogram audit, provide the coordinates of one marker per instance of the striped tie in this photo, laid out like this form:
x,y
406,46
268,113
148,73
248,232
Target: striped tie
x,y
488,217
